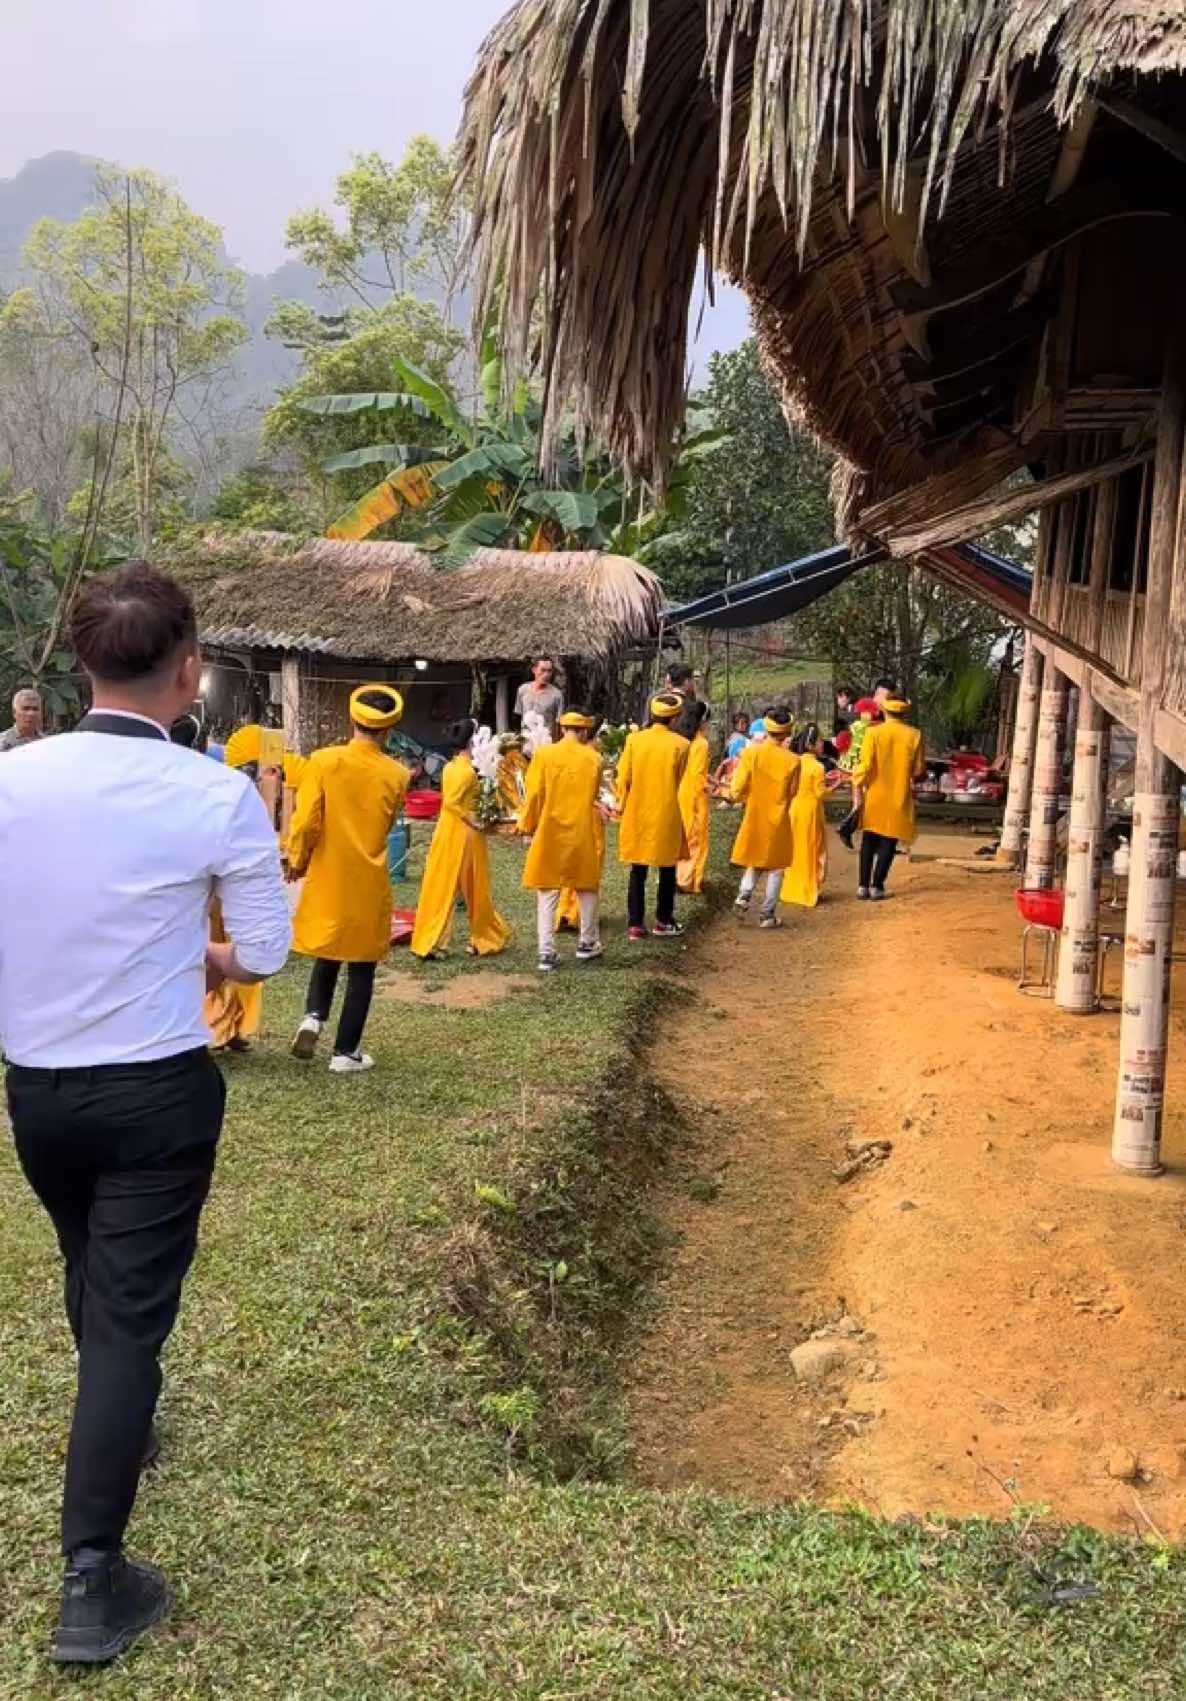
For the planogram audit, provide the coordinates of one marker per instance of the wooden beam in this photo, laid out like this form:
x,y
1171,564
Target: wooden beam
x,y
973,519
1122,702
934,494
987,406
1153,129
1081,210
290,701
1169,732
980,346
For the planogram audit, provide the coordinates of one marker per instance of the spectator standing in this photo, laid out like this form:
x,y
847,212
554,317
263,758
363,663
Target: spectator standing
x,y
541,695
27,721
115,1102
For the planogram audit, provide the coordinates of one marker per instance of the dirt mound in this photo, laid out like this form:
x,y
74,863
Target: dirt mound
x,y
1012,1303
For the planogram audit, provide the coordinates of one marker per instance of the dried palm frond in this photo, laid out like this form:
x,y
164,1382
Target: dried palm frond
x,y
607,143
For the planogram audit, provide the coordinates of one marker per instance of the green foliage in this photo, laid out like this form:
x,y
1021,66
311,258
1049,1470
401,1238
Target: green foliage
x,y
404,232
258,499
756,501
138,287
37,568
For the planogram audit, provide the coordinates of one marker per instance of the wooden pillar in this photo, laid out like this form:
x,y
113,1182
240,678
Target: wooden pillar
x,y
1079,950
502,704
290,702
1042,855
1149,920
1021,765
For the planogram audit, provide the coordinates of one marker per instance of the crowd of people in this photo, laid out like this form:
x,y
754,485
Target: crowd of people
x,y
150,945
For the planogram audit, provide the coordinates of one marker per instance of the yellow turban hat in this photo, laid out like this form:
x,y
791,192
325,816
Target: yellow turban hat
x,y
896,705
376,720
578,723
779,722
667,706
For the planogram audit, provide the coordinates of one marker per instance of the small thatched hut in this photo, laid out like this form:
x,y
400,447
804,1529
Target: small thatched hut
x,y
962,230
298,623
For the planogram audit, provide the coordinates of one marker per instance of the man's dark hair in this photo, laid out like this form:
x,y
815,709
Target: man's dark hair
x,y
459,735
679,674
376,700
885,685
690,720
129,625
846,691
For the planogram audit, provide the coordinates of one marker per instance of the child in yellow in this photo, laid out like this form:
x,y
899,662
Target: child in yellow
x,y
349,798
652,833
766,781
809,858
458,861
560,813
694,800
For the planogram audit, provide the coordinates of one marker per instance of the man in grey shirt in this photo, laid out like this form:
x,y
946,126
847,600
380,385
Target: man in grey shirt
x,y
27,725
540,696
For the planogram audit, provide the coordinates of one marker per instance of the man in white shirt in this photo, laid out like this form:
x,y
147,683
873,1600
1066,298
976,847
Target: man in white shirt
x,y
27,721
113,841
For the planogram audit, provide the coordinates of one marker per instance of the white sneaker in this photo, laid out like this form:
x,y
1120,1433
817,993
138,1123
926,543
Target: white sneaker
x,y
862,891
590,953
547,962
342,1063
307,1035
769,921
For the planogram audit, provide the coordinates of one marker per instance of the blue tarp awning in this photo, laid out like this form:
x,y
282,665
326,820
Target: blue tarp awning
x,y
787,590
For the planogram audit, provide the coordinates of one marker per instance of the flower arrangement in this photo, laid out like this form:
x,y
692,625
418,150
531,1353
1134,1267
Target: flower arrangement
x,y
484,754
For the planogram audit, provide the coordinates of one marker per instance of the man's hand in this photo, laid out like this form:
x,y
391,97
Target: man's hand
x,y
220,960
292,875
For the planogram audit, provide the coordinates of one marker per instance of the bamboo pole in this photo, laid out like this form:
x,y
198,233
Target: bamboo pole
x,y
1079,950
1149,920
1042,853
1021,765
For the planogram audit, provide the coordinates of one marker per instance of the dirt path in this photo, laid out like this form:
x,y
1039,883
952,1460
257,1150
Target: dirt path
x,y
1019,1305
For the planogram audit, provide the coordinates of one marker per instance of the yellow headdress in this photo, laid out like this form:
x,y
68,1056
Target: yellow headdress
x,y
896,705
376,720
578,723
779,722
667,706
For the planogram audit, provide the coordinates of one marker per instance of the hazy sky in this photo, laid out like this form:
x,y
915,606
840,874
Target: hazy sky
x,y
251,106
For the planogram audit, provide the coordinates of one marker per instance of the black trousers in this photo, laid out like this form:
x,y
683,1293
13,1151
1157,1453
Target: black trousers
x,y
121,1157
877,858
636,901
356,1006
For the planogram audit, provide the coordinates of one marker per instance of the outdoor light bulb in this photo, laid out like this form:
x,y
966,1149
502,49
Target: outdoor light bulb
x,y
421,666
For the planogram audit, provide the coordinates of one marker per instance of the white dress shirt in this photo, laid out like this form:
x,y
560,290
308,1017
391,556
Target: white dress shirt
x,y
111,849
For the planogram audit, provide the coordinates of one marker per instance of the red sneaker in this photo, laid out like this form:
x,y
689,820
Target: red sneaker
x,y
668,930
635,934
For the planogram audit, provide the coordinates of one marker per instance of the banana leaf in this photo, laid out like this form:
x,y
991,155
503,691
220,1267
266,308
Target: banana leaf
x,y
490,460
484,531
389,454
571,510
411,487
436,399
367,401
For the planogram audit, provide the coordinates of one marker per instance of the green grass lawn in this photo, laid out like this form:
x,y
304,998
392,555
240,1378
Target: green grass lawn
x,y
393,1463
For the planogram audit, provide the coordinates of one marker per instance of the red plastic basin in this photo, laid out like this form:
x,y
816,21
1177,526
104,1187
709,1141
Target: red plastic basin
x,y
1039,907
402,923
422,805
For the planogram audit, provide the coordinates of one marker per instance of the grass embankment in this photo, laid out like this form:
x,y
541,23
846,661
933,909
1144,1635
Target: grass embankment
x,y
394,1347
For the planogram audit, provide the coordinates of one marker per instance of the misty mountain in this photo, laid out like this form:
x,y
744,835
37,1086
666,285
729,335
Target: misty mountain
x,y
60,186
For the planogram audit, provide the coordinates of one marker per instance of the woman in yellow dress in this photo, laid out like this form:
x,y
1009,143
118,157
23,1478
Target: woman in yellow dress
x,y
694,800
809,863
458,861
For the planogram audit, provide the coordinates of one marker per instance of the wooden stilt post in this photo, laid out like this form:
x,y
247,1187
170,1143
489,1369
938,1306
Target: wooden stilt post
x,y
1149,921
502,704
1042,853
1021,765
1079,949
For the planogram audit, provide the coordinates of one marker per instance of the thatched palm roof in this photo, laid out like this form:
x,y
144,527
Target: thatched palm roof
x,y
389,602
822,153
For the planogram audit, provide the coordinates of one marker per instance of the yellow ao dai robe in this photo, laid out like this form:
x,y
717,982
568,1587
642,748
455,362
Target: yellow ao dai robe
x,y
458,861
809,837
765,780
650,769
695,809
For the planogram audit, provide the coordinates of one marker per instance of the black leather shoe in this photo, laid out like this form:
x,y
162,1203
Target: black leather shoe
x,y
152,1449
105,1608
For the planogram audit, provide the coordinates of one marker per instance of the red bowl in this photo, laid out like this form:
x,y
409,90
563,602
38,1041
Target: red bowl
x,y
422,805
1040,907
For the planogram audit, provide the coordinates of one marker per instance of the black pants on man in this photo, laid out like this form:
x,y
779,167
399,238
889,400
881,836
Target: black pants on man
x,y
636,902
877,858
121,1157
356,1006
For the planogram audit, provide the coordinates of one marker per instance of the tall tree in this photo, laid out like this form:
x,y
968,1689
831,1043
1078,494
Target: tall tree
x,y
140,286
762,501
404,231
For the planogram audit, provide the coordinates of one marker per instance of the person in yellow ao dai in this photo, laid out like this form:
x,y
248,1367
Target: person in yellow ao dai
x,y
650,769
349,798
560,814
809,853
766,781
694,800
891,759
458,861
